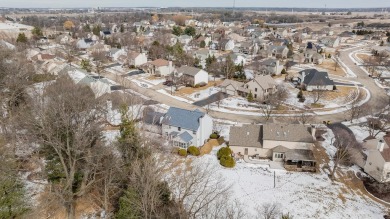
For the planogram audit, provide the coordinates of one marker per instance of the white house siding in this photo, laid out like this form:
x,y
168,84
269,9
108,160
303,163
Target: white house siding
x,y
164,70
327,87
251,151
376,166
140,59
290,145
230,90
229,45
166,129
259,94
205,129
201,76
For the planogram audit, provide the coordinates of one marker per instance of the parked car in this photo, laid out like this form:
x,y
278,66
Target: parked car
x,y
168,83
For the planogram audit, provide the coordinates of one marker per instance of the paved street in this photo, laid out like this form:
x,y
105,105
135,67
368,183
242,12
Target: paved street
x,y
378,99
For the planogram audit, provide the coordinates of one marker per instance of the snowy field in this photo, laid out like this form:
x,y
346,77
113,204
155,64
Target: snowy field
x,y
203,94
303,195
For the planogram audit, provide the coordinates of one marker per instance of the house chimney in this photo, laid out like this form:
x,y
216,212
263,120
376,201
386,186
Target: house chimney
x,y
313,132
381,145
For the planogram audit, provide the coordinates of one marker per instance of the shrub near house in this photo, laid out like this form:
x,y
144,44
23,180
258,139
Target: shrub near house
x,y
194,151
225,157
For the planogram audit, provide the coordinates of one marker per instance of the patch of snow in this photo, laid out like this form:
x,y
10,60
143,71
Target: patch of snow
x,y
303,195
203,94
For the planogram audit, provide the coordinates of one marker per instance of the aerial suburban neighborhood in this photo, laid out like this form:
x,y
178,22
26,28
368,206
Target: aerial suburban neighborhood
x,y
207,111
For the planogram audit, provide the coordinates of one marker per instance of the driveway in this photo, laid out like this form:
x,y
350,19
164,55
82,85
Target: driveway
x,y
211,99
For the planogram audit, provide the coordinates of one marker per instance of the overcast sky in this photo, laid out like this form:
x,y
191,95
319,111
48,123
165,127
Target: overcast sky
x,y
196,3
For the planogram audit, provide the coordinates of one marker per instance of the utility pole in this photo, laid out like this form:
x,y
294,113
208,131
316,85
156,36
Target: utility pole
x,y
274,179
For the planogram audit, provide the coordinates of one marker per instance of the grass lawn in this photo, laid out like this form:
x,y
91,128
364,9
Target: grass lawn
x,y
208,147
329,65
191,90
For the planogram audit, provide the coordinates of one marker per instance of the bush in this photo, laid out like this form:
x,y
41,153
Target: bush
x,y
300,94
214,136
193,151
227,161
197,86
284,71
202,84
225,151
183,152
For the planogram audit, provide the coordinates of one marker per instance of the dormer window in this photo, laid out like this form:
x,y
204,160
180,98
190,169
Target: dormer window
x,y
179,129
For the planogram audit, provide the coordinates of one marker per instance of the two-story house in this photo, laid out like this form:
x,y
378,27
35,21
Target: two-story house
x,y
184,128
159,67
378,159
193,76
261,87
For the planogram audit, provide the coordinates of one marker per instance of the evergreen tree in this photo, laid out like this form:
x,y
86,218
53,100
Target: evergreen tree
x,y
250,97
122,28
21,38
96,30
37,32
190,31
176,30
202,44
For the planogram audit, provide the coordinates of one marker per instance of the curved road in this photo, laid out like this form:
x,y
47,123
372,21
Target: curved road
x,y
378,99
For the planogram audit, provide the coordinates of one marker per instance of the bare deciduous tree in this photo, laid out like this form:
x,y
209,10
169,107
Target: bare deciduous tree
x,y
345,148
269,211
67,126
197,189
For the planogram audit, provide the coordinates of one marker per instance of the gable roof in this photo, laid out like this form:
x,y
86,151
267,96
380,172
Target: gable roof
x,y
314,77
188,70
183,118
287,132
246,136
185,137
159,62
265,81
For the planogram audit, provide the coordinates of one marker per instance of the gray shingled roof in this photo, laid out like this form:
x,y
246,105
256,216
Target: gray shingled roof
x,y
246,136
188,70
185,137
314,77
287,132
185,119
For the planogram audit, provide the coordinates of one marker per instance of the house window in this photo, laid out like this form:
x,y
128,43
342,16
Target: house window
x,y
255,95
179,129
278,155
194,132
169,126
388,175
255,89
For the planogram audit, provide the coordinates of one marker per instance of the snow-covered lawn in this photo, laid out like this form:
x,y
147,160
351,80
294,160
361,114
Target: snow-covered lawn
x,y
141,84
203,94
303,195
237,103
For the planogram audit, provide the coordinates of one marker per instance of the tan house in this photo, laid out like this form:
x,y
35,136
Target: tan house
x,y
291,144
378,159
159,67
260,87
